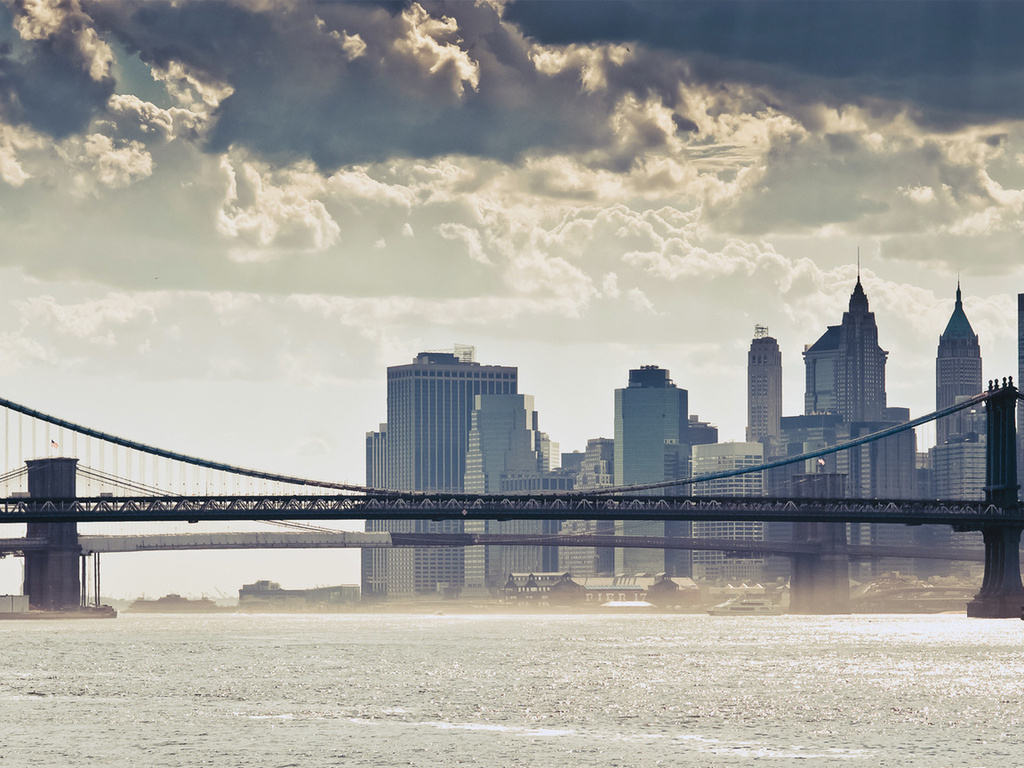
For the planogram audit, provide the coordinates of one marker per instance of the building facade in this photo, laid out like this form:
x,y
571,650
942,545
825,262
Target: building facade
x,y
725,457
764,390
845,377
957,371
1020,384
845,367
507,453
596,470
651,423
430,405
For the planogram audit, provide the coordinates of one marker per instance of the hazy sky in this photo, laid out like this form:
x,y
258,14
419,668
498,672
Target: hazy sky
x,y
221,221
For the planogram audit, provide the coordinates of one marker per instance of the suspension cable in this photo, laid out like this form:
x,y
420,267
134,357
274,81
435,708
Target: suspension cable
x,y
121,482
184,458
802,457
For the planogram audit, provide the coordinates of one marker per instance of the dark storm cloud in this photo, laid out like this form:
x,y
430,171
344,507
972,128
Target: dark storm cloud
x,y
297,93
957,61
46,83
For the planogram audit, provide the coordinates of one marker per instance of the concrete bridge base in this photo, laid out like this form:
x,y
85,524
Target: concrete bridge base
x,y
1002,594
820,583
51,576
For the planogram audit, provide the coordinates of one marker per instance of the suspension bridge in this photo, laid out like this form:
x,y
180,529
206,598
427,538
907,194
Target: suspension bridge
x,y
129,481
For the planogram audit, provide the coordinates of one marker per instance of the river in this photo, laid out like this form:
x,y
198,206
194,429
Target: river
x,y
522,690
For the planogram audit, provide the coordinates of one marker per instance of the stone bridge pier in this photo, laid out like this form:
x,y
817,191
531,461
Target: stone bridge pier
x,y
52,580
1002,594
820,582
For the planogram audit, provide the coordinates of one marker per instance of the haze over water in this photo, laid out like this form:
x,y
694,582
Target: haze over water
x,y
518,690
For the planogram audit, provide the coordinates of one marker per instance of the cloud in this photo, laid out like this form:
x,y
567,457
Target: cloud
x,y
56,77
113,165
11,170
955,61
272,211
355,83
433,43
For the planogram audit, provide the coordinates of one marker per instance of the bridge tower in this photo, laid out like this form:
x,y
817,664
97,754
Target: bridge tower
x,y
820,583
1002,594
51,574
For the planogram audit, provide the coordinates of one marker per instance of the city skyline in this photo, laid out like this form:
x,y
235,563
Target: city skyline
x,y
220,248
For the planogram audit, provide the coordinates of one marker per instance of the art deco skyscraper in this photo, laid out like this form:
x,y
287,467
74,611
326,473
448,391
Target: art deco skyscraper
x,y
764,390
1020,384
957,371
845,368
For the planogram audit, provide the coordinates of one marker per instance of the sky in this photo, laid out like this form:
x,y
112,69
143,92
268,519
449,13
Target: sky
x,y
221,221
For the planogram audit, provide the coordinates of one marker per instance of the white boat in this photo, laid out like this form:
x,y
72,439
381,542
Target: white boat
x,y
746,605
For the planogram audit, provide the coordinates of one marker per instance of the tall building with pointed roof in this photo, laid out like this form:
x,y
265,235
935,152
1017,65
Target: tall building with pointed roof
x,y
957,371
845,367
1020,385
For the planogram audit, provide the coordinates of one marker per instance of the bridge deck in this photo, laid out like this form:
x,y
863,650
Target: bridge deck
x,y
417,506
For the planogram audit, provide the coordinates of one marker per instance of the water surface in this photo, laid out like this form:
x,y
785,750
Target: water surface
x,y
386,690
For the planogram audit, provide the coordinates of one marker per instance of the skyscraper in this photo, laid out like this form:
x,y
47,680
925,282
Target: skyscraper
x,y
505,449
845,375
957,371
764,390
430,404
596,470
651,423
845,367
958,458
503,438
1020,384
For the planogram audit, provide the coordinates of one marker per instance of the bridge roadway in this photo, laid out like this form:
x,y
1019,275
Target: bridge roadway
x,y
105,544
963,515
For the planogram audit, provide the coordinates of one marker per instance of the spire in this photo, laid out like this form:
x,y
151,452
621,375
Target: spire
x,y
958,327
858,299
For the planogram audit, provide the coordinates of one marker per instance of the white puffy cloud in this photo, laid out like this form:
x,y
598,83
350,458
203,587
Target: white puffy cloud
x,y
44,19
11,140
193,90
433,43
270,211
352,45
116,166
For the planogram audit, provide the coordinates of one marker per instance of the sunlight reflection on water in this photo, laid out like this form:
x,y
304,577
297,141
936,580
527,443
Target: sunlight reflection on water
x,y
513,690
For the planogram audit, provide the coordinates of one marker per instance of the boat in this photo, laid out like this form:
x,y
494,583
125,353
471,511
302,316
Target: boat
x,y
177,604
746,605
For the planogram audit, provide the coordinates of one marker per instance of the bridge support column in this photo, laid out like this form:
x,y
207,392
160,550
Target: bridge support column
x,y
1002,594
820,583
51,575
